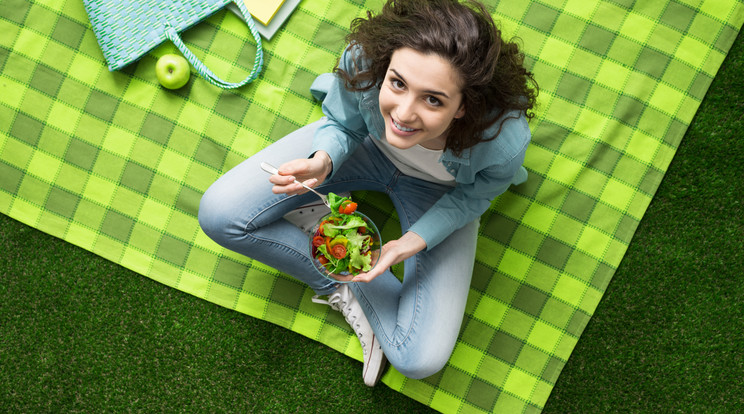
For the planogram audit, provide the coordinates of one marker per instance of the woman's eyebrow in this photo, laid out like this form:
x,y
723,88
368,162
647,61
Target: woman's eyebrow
x,y
430,92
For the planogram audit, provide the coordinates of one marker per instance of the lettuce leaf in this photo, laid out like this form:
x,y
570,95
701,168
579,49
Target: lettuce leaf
x,y
360,261
351,222
335,201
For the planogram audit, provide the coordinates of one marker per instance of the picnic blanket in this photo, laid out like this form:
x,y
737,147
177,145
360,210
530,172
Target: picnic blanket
x,y
116,164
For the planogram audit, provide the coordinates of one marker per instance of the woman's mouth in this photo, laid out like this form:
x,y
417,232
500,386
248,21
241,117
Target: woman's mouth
x,y
400,127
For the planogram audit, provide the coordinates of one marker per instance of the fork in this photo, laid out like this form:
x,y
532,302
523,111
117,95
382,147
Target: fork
x,y
273,170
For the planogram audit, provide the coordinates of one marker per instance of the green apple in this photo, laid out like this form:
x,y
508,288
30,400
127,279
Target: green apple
x,y
173,71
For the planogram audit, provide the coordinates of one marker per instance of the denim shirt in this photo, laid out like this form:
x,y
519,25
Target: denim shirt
x,y
481,172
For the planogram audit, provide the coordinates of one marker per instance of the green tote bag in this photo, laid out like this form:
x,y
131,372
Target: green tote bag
x,y
128,29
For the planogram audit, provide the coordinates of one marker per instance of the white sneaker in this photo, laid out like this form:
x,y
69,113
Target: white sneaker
x,y
344,301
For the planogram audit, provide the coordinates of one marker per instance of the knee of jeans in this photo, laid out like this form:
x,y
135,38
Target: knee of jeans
x,y
213,216
423,365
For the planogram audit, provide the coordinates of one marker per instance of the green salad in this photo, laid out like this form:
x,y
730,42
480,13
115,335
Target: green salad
x,y
343,242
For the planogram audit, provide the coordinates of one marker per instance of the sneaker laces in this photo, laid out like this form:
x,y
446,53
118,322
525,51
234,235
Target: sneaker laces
x,y
336,302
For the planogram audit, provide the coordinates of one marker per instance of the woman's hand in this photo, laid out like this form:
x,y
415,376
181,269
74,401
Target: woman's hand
x,y
310,171
394,252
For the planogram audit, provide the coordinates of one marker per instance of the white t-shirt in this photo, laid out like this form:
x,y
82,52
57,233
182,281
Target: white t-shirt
x,y
418,162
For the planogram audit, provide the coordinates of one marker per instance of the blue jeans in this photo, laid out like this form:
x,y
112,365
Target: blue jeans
x,y
417,321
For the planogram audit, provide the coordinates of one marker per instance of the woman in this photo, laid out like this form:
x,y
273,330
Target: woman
x,y
428,105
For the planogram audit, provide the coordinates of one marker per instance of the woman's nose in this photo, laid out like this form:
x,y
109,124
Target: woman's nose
x,y
406,110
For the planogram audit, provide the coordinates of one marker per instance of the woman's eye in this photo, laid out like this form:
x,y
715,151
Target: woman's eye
x,y
397,83
433,101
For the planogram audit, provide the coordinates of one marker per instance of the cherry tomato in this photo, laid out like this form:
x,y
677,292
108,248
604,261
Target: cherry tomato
x,y
322,259
318,240
338,251
347,207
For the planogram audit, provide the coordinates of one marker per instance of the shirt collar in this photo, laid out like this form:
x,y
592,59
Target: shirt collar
x,y
464,158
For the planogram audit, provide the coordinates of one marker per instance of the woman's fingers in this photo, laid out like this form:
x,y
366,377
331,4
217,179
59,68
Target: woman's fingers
x,y
310,171
367,277
282,180
342,278
296,188
289,173
284,184
300,169
393,252
386,260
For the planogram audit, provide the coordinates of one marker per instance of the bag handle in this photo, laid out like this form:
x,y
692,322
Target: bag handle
x,y
207,74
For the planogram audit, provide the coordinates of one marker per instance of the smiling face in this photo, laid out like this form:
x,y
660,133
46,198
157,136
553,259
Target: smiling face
x,y
420,97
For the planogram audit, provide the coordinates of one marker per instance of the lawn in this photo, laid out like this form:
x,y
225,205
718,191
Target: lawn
x,y
81,334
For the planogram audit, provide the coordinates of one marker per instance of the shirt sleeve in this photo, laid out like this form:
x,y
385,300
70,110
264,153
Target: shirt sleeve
x,y
345,127
467,202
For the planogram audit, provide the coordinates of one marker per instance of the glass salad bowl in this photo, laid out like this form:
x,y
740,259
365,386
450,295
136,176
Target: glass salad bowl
x,y
342,246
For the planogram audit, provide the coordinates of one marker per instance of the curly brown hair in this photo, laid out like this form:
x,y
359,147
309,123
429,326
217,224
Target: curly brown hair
x,y
492,69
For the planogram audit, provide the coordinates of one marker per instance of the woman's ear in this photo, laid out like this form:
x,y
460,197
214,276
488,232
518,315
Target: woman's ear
x,y
460,112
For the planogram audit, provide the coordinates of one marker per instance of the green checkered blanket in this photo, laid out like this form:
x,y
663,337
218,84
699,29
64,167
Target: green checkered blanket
x,y
116,164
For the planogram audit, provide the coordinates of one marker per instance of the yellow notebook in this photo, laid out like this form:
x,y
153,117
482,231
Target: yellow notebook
x,y
263,10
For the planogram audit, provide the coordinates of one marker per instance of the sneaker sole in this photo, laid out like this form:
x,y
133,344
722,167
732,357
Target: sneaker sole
x,y
383,362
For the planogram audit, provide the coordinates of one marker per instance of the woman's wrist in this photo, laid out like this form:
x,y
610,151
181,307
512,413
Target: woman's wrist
x,y
326,160
413,243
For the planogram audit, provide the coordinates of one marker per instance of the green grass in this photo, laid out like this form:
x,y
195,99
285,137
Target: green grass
x,y
81,334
